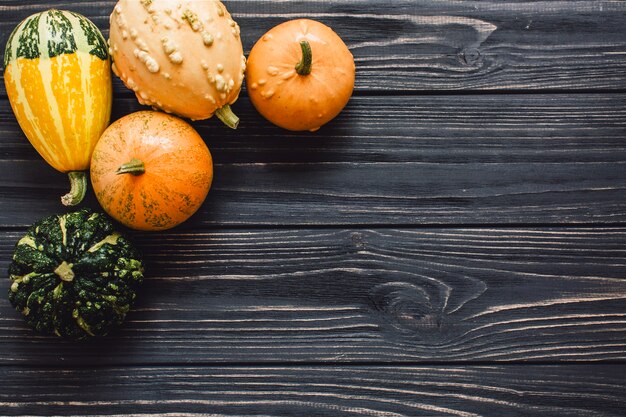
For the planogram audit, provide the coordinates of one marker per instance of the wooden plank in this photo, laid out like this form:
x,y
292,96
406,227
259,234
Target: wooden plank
x,y
401,194
319,391
395,160
259,296
428,45
535,128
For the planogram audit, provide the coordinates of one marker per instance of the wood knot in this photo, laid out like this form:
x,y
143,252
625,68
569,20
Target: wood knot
x,y
470,56
358,240
408,307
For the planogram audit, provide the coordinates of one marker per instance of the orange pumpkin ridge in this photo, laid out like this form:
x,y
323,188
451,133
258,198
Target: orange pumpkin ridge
x,y
151,171
300,75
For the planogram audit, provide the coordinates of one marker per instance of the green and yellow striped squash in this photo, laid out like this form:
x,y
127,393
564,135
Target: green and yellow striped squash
x,y
58,80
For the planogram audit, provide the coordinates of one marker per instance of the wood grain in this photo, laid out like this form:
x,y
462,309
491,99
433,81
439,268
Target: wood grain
x,y
316,391
401,194
428,45
317,280
392,160
524,128
346,296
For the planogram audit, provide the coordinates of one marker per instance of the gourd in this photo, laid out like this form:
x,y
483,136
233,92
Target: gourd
x,y
151,171
300,75
183,57
74,276
58,80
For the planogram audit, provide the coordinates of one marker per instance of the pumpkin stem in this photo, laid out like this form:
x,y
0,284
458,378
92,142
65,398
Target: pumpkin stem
x,y
78,183
134,167
226,115
304,66
64,271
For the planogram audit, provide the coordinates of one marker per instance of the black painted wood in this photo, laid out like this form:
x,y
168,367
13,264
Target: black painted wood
x,y
259,296
316,391
248,310
511,129
389,160
432,45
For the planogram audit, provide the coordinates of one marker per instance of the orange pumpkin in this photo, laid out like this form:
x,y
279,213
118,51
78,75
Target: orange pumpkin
x,y
300,75
151,171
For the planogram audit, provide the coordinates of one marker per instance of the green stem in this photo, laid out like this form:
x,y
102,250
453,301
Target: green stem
x,y
304,66
78,183
134,167
226,115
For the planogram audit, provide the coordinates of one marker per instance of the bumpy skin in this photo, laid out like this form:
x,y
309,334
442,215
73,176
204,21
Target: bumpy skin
x,y
74,276
180,56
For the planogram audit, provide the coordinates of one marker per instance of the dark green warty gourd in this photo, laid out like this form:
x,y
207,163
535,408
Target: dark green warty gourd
x,y
74,276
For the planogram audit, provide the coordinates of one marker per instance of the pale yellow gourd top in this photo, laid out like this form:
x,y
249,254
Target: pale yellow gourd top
x,y
183,57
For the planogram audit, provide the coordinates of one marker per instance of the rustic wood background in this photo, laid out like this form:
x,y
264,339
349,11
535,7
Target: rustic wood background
x,y
454,244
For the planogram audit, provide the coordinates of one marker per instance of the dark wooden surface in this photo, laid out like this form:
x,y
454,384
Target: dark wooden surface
x,y
346,295
318,391
410,160
454,244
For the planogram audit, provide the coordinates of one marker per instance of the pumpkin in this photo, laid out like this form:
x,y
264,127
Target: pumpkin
x,y
183,57
74,276
300,75
151,171
58,80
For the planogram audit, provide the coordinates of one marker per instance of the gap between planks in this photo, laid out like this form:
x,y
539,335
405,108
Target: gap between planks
x,y
429,93
379,226
317,364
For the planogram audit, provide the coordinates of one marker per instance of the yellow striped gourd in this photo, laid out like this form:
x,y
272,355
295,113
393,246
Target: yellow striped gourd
x,y
58,80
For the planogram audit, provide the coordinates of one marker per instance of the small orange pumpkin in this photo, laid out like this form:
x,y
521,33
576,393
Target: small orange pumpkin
x,y
300,75
151,171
